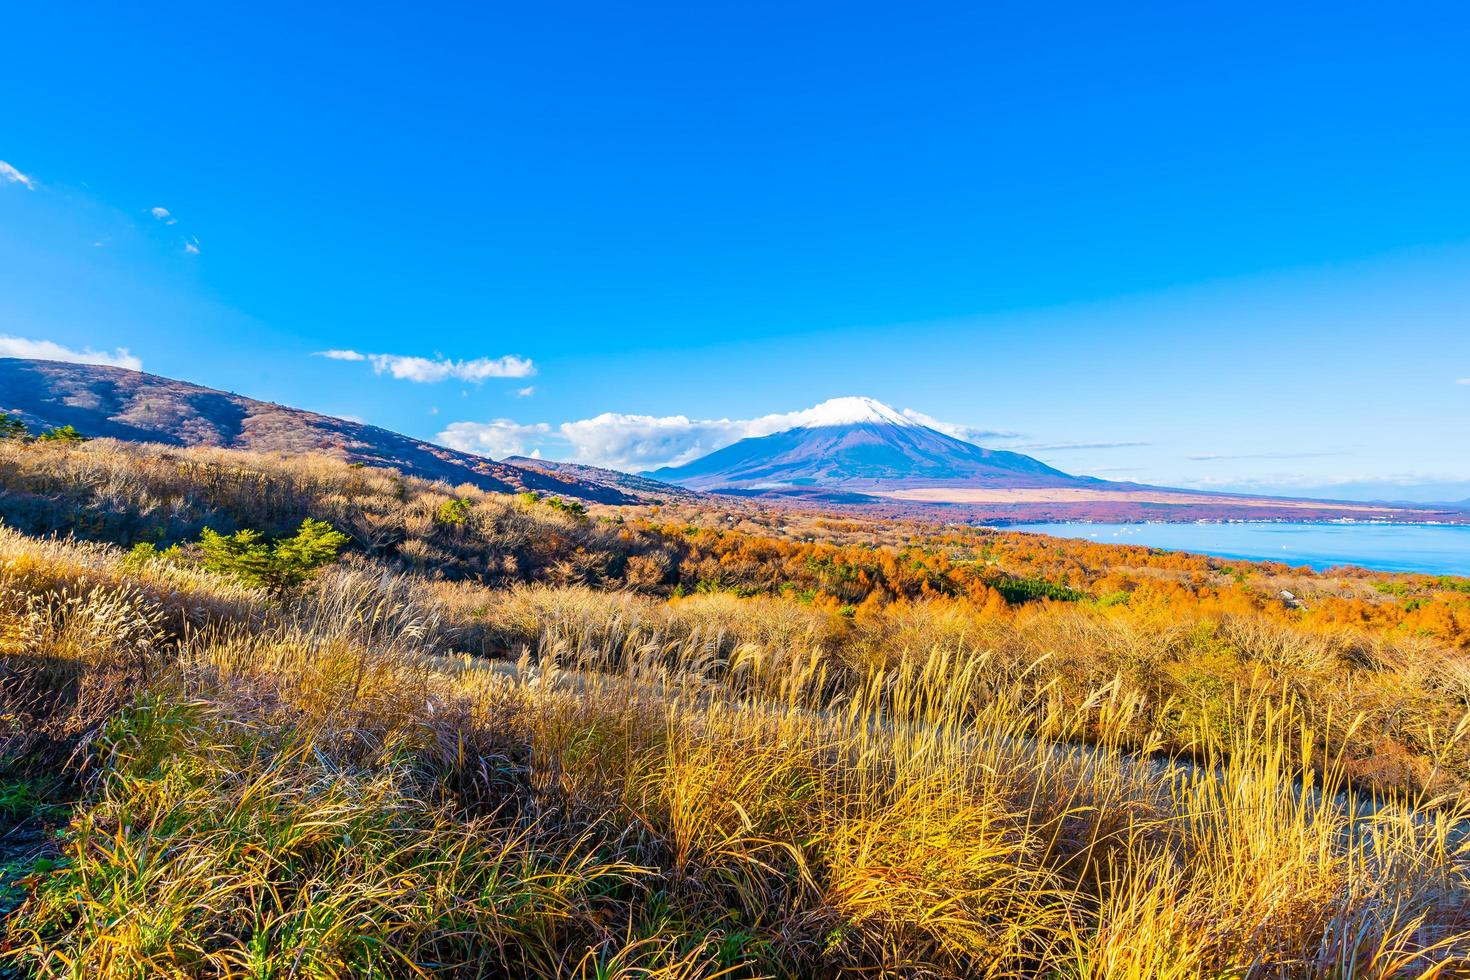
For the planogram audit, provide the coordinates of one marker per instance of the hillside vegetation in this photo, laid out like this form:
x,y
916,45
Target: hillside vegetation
x,y
509,736
102,401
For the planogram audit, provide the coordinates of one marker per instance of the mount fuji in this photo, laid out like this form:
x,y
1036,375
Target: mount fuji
x,y
860,444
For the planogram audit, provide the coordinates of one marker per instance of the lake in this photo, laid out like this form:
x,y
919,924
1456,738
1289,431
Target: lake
x,y
1436,549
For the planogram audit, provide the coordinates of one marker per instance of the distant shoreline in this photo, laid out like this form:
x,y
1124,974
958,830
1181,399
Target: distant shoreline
x,y
1388,546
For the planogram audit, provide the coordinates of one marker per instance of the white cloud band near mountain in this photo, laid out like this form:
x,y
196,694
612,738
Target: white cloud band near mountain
x,y
644,442
497,439
635,443
1060,447
969,433
11,175
49,350
612,439
424,370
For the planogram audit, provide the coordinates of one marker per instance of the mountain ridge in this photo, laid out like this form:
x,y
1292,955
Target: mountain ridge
x,y
631,482
851,453
114,402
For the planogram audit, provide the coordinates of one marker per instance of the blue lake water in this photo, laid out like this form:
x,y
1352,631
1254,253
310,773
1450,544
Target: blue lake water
x,y
1435,549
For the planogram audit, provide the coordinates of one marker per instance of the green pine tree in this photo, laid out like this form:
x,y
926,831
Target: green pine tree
x,y
12,427
281,567
62,433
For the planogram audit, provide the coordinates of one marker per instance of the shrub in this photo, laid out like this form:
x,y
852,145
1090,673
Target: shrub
x,y
647,571
11,427
454,512
282,567
573,507
62,433
146,552
1019,590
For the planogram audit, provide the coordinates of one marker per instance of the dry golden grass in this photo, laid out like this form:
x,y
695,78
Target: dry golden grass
x,y
325,790
717,784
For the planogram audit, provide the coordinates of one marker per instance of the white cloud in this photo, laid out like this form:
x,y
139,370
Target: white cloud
x,y
645,442
48,350
162,215
1056,447
526,392
424,370
969,433
496,439
642,442
627,442
14,176
1416,487
191,248
1463,381
1303,454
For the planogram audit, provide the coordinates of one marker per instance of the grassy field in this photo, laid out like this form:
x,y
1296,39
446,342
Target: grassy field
x,y
503,737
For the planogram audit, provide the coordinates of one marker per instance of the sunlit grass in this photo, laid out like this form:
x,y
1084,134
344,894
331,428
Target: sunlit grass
x,y
707,787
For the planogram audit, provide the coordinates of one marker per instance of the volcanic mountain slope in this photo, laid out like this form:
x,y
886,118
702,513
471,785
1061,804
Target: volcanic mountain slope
x,y
121,404
859,444
582,472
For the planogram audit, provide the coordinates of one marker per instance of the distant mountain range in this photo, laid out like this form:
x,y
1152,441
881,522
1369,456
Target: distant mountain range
x,y
122,404
858,451
859,444
847,452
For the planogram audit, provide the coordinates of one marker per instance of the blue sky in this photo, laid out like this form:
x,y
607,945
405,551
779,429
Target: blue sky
x,y
1222,246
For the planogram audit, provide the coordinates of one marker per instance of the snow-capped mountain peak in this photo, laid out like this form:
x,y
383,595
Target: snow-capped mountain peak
x,y
851,410
858,444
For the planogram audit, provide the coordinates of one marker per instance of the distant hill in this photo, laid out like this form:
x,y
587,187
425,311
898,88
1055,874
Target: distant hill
x,y
630,482
121,404
859,444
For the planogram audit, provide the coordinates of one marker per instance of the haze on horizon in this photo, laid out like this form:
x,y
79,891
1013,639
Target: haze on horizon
x,y
1226,250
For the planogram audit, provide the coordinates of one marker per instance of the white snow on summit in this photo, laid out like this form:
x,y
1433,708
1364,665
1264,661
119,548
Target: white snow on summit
x,y
852,410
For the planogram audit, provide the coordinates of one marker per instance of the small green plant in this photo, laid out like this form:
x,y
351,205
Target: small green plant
x,y
62,433
1018,590
12,427
573,507
454,512
1451,583
281,567
146,553
791,590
